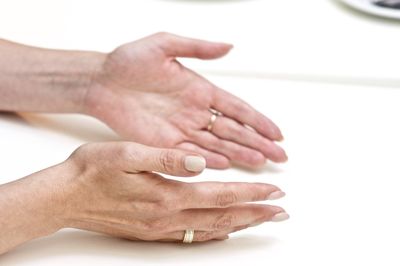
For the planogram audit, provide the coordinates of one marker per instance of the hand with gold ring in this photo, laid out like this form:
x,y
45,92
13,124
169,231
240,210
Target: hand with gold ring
x,y
118,190
144,94
115,189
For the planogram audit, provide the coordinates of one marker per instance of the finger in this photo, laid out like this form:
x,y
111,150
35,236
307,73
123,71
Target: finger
x,y
214,160
229,129
224,194
139,158
177,46
203,236
242,112
235,152
218,219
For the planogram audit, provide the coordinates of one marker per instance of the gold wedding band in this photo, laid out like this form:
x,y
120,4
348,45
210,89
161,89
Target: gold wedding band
x,y
189,235
213,118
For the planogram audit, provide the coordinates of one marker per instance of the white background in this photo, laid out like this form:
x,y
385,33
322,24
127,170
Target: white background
x,y
327,75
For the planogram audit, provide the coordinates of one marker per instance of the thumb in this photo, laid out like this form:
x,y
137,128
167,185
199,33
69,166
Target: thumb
x,y
168,161
177,46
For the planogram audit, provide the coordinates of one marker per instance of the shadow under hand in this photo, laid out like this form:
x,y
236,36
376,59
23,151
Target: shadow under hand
x,y
269,167
81,243
13,118
81,127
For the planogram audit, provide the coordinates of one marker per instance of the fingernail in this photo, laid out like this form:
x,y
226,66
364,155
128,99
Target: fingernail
x,y
279,217
228,44
276,195
277,133
195,163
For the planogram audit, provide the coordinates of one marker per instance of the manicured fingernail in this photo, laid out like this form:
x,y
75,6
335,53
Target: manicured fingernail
x,y
195,163
276,195
279,217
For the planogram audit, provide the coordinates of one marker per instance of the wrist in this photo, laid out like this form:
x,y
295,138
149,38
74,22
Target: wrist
x,y
34,206
102,98
65,188
50,190
80,80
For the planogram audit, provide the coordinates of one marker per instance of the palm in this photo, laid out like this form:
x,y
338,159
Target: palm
x,y
162,120
157,101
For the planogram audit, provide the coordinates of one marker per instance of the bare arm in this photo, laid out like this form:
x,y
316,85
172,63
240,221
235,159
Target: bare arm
x,y
30,207
43,80
143,93
111,188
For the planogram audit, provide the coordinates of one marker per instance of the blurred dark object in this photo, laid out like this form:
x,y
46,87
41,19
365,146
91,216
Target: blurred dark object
x,y
388,3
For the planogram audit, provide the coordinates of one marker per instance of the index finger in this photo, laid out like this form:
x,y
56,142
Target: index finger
x,y
225,194
233,107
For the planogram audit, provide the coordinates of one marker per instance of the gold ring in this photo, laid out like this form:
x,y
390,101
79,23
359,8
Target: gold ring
x,y
189,235
214,115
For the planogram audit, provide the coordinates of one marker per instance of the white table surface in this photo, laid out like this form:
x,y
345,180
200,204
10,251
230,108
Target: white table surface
x,y
342,138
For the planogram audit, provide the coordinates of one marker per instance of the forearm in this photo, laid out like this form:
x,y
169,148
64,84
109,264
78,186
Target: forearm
x,y
43,80
31,207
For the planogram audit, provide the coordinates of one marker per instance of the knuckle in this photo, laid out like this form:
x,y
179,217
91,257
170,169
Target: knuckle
x,y
226,198
165,207
223,222
82,151
161,208
167,160
159,225
86,159
170,206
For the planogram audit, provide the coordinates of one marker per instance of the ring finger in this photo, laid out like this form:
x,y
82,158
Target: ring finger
x,y
231,130
202,236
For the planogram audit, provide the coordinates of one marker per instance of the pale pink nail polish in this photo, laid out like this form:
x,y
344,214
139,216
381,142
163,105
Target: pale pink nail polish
x,y
279,217
195,163
276,195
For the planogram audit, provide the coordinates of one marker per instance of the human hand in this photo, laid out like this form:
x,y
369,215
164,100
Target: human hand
x,y
115,191
146,95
